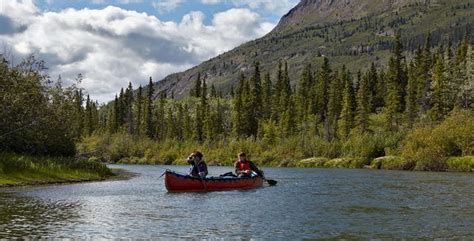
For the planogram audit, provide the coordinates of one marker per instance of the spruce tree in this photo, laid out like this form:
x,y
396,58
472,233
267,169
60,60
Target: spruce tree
x,y
411,106
129,110
161,118
303,97
267,97
363,108
149,131
392,98
335,102
255,100
237,119
139,110
322,89
423,65
345,122
438,92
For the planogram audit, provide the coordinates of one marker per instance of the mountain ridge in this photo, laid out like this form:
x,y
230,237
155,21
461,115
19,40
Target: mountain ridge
x,y
351,39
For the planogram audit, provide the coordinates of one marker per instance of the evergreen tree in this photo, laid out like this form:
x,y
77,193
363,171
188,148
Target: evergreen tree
x,y
345,122
237,118
139,110
363,108
149,131
372,84
278,93
392,98
201,113
129,110
179,122
303,98
188,130
322,89
267,97
423,65
438,93
88,120
161,119
335,102
411,107
255,101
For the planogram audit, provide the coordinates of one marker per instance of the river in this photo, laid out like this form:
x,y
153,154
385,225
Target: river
x,y
305,204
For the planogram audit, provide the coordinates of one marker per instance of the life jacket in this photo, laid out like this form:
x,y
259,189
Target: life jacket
x,y
243,166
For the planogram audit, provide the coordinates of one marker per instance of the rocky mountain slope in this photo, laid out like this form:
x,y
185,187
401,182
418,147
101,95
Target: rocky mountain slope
x,y
350,32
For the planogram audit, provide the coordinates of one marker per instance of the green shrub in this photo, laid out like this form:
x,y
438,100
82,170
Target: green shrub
x,y
429,147
463,164
345,162
391,163
313,162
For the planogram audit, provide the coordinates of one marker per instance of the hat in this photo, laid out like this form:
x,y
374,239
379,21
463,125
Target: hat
x,y
198,154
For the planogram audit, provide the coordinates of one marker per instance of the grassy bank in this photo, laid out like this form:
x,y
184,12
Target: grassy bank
x,y
29,170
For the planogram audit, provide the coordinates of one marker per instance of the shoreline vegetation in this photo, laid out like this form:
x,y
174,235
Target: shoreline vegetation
x,y
447,146
22,170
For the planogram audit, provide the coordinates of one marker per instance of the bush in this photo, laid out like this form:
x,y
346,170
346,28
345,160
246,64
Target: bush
x,y
391,163
462,164
345,162
313,162
429,147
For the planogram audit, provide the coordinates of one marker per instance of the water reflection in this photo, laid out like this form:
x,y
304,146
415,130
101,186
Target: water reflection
x,y
24,216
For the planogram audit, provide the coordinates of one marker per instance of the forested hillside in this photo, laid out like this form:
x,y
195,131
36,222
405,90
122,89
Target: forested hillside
x,y
411,109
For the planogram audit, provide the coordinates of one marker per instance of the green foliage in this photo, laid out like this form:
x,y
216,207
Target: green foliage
x,y
58,168
345,162
462,164
392,163
430,146
313,162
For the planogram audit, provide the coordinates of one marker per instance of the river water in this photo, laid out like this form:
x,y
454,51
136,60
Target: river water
x,y
305,204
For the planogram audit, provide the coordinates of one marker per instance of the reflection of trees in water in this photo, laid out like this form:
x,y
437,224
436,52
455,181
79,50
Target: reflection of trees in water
x,y
24,216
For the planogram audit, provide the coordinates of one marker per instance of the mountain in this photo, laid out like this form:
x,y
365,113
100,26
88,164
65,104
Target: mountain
x,y
350,32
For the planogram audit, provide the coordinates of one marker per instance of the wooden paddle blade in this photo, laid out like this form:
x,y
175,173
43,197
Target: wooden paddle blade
x,y
271,182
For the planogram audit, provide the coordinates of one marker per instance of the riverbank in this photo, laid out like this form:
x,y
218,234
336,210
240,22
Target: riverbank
x,y
455,164
20,170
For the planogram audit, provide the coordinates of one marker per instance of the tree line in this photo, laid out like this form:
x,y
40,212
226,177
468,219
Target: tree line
x,y
39,116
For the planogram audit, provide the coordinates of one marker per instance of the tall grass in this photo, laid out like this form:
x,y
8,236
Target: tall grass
x,y
20,169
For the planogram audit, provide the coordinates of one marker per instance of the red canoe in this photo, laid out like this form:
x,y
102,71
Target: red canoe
x,y
175,182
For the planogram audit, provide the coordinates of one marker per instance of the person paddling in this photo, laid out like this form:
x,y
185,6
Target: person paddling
x,y
244,167
198,165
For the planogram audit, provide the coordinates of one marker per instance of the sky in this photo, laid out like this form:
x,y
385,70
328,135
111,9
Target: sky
x,y
114,42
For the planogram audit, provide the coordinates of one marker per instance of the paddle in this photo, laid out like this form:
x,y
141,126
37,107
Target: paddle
x,y
270,181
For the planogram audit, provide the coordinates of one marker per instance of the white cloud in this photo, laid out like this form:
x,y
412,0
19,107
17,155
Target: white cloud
x,y
113,46
277,7
166,5
211,2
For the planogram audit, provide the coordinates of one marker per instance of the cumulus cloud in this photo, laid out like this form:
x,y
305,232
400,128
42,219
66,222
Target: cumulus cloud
x,y
166,5
274,6
113,46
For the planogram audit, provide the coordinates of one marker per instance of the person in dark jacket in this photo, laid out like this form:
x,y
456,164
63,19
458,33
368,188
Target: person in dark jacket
x,y
198,165
244,167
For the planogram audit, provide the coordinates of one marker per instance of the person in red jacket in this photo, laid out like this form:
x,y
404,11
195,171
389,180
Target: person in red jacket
x,y
244,167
